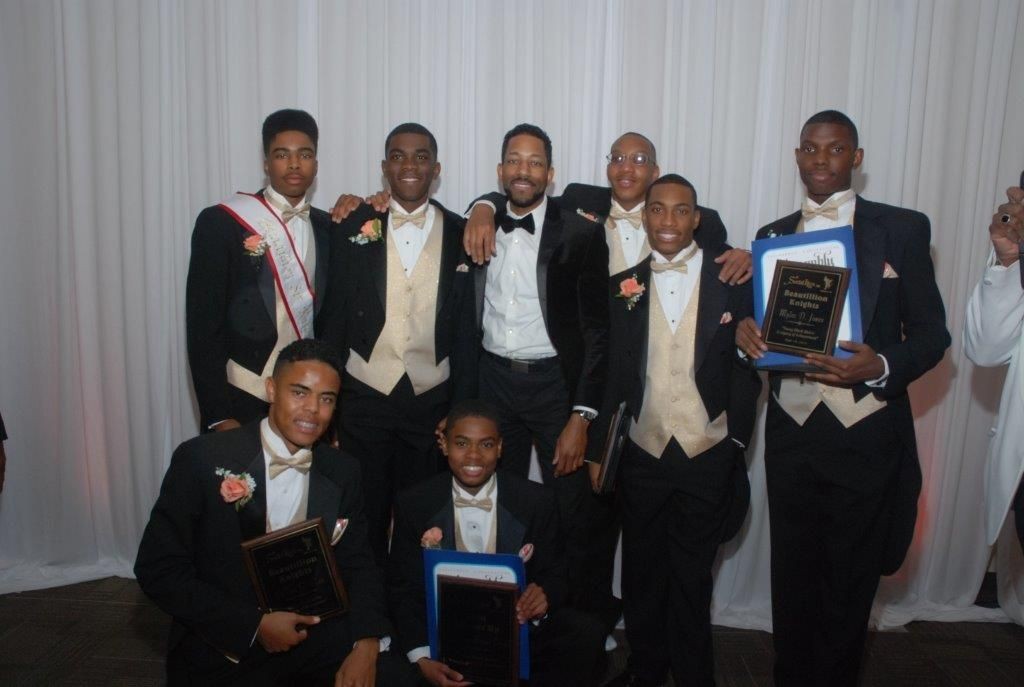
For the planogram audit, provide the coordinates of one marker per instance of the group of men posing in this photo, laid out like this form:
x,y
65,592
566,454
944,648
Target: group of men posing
x,y
506,335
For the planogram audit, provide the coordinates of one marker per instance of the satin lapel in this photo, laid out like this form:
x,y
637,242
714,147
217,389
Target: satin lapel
x,y
713,295
550,239
790,226
869,242
377,259
321,237
451,248
252,517
511,531
639,328
265,281
324,495
479,284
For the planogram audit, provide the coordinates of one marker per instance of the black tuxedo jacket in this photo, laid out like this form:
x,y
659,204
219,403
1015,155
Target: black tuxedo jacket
x,y
190,559
230,306
354,311
572,279
598,201
526,515
723,383
903,319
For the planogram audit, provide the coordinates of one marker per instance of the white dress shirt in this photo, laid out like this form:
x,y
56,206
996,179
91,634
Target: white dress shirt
x,y
513,322
286,492
676,288
630,238
409,238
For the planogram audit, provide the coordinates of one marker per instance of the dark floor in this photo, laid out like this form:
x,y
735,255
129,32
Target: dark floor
x,y
106,633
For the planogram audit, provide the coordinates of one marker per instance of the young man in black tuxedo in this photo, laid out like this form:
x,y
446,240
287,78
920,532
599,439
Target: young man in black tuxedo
x,y
227,487
257,270
542,310
473,509
400,309
840,453
682,476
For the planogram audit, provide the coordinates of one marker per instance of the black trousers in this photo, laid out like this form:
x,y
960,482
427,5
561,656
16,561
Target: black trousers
x,y
674,509
829,502
313,662
393,438
534,407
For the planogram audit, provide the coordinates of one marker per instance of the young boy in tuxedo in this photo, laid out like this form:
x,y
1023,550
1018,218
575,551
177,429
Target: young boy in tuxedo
x,y
682,474
478,510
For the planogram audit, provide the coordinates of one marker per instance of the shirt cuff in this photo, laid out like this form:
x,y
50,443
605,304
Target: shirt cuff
x,y
880,382
481,202
418,653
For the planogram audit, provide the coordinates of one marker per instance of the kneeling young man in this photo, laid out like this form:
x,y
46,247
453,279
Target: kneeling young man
x,y
226,487
477,510
682,476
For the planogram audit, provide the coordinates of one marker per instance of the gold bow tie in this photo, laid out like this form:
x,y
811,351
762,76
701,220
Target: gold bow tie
x,y
483,504
400,218
634,217
679,266
829,211
288,213
301,461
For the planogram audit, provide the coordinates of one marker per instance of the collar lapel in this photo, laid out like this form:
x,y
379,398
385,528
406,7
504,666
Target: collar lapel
x,y
713,296
550,239
869,242
511,531
265,280
451,251
378,259
321,238
252,517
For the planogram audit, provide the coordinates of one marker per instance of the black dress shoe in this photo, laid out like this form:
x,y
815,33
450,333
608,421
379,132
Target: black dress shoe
x,y
628,678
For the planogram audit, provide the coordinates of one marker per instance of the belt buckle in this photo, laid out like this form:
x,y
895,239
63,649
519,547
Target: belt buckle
x,y
522,366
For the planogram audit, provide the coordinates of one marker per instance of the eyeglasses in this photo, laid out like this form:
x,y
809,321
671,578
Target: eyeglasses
x,y
638,159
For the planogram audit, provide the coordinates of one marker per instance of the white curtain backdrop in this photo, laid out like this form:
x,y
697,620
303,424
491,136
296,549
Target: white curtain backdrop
x,y
121,119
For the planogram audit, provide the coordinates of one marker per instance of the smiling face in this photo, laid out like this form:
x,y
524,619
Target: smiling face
x,y
670,218
410,168
472,445
302,397
525,172
291,164
629,180
827,157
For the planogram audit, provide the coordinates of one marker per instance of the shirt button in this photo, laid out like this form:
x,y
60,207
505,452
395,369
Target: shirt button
x,y
515,240
511,271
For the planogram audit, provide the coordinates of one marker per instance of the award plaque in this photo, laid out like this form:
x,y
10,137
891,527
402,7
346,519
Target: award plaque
x,y
293,569
804,307
478,634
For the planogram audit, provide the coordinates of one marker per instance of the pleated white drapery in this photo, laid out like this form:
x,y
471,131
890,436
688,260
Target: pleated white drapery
x,y
121,120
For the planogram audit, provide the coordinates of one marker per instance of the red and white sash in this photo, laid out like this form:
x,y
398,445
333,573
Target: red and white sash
x,y
257,217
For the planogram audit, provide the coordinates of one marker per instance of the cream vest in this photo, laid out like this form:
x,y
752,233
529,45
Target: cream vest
x,y
406,343
616,258
672,406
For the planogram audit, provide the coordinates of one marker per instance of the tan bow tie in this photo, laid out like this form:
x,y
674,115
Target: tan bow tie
x,y
400,218
483,504
288,213
830,210
634,217
679,266
301,460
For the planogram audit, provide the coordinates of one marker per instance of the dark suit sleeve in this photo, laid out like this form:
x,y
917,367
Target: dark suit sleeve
x,y
496,199
362,578
166,569
922,314
595,199
745,382
206,310
406,588
592,294
711,233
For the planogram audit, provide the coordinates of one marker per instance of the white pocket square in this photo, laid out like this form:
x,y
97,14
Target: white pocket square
x,y
888,272
462,267
726,318
339,529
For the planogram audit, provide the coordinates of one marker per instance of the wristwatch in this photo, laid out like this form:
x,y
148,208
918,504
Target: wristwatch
x,y
587,415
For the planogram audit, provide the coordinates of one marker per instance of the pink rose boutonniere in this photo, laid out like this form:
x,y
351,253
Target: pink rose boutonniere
x,y
236,489
630,290
339,529
526,553
370,231
431,539
255,246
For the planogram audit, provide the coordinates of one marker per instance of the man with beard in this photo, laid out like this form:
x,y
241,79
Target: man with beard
x,y
401,293
542,308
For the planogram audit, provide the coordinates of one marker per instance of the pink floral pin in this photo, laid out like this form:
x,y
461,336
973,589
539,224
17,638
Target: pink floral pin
x,y
726,318
255,246
370,231
431,539
236,489
630,290
526,553
339,529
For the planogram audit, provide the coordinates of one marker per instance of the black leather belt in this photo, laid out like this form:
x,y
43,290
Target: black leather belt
x,y
524,366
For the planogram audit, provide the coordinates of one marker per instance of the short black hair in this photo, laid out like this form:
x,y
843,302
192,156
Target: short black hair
x,y
649,142
309,349
529,130
289,120
472,407
411,128
671,179
834,117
